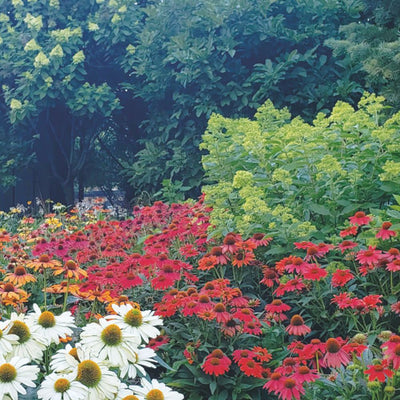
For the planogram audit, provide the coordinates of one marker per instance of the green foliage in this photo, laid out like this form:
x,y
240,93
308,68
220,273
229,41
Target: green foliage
x,y
294,179
373,43
195,58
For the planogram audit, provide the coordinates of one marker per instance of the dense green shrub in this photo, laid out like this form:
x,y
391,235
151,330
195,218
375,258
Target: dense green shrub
x,y
296,179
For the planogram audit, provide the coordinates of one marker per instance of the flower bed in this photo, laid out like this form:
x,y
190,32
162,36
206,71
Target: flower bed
x,y
98,308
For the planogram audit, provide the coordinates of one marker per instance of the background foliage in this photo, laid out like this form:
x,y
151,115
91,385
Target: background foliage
x,y
117,93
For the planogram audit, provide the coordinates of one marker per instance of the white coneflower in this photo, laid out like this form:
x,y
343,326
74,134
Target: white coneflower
x,y
135,321
107,341
61,360
101,383
62,387
52,327
30,344
124,393
144,359
6,339
14,374
155,390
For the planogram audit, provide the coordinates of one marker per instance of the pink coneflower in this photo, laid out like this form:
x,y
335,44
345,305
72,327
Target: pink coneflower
x,y
277,306
297,326
395,307
370,256
217,252
230,244
290,389
335,355
359,218
270,276
394,266
346,245
260,240
221,314
385,233
305,374
275,382
296,264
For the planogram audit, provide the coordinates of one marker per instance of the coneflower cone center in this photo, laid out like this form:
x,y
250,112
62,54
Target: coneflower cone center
x,y
397,350
89,373
155,394
332,345
134,318
112,335
130,397
62,385
7,373
20,329
297,320
19,271
74,353
289,383
47,319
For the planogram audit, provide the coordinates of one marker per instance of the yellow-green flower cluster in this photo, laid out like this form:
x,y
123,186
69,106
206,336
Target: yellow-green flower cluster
x,y
391,171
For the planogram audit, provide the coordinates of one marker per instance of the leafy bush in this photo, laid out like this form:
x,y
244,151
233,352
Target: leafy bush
x,y
296,179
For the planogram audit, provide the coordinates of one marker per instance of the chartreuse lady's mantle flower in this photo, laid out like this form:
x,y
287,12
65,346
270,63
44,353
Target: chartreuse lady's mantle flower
x,y
155,390
62,387
14,374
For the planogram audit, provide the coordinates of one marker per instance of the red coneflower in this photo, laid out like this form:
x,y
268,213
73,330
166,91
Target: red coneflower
x,y
208,262
340,277
297,326
270,276
252,327
216,363
250,367
217,252
395,307
275,382
350,231
314,272
379,372
242,258
260,240
359,218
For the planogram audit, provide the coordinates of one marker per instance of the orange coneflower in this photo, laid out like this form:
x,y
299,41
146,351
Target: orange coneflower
x,y
62,288
19,277
43,261
12,295
70,270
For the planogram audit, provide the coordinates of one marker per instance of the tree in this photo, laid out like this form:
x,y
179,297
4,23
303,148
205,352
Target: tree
x,y
61,76
373,42
198,57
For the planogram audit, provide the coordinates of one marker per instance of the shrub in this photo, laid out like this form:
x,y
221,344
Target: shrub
x,y
295,179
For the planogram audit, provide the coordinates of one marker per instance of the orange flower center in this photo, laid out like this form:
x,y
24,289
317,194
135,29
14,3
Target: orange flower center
x,y
289,383
7,373
155,394
303,370
19,271
359,214
44,258
61,385
47,319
